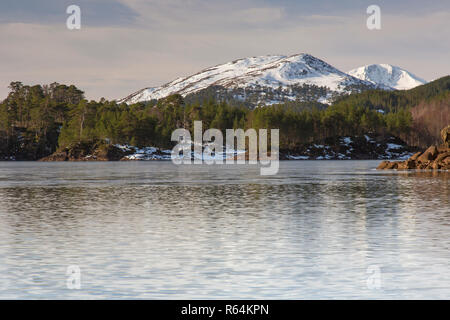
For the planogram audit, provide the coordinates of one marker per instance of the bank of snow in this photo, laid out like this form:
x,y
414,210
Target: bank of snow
x,y
153,153
144,153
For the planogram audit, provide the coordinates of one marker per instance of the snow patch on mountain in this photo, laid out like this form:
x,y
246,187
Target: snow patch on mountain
x,y
387,76
272,72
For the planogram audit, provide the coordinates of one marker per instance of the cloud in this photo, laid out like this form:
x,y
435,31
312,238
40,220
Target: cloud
x,y
258,16
157,41
45,12
349,7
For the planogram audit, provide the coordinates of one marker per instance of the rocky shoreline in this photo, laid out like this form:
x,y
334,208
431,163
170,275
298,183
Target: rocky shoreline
x,y
363,147
434,158
84,151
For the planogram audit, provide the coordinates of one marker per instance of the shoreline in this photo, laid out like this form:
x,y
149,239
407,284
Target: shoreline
x,y
365,147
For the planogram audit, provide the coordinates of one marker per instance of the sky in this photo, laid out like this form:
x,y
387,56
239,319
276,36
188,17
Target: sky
x,y
127,45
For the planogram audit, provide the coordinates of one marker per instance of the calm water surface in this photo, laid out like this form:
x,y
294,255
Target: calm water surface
x,y
318,229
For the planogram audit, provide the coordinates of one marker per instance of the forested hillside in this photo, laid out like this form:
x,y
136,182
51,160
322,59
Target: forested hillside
x,y
37,120
390,101
428,104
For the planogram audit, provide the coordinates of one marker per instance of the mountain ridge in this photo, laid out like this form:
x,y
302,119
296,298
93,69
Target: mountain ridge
x,y
276,78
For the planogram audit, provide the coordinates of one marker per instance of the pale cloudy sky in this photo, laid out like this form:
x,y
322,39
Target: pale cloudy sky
x,y
125,45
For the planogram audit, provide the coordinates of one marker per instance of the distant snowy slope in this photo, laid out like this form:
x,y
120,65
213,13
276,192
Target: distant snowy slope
x,y
273,78
387,76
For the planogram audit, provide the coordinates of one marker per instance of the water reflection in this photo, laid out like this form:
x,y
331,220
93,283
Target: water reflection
x,y
153,230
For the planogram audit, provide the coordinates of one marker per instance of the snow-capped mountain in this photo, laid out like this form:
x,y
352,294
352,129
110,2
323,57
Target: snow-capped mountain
x,y
263,80
387,76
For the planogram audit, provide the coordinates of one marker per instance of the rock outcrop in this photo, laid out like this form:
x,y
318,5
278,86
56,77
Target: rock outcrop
x,y
445,134
434,158
88,151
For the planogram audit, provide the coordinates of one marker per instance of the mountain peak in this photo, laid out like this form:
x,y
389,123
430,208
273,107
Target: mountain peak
x,y
272,78
387,76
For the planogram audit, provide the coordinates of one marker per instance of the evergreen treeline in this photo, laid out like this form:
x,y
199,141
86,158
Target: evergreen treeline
x,y
37,120
391,101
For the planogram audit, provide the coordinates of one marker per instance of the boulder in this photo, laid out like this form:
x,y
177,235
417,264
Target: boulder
x,y
383,165
445,134
442,156
435,165
429,155
407,165
402,165
392,165
410,164
422,166
415,156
